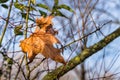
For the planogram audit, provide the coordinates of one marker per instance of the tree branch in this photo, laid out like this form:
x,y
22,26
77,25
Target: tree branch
x,y
7,22
60,71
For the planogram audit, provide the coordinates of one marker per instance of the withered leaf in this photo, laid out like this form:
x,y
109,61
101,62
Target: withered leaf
x,y
41,41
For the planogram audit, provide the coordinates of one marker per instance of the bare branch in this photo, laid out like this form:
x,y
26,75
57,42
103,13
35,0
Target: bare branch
x,y
57,73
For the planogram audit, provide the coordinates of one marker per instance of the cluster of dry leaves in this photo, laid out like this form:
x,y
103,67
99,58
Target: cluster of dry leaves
x,y
42,40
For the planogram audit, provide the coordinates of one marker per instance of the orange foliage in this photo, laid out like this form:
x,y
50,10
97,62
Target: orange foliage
x,y
42,40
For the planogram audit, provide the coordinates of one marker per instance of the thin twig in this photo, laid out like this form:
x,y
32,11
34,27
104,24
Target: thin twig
x,y
27,17
97,29
37,65
5,27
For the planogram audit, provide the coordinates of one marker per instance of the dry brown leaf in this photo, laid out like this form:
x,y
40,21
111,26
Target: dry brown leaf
x,y
43,24
41,41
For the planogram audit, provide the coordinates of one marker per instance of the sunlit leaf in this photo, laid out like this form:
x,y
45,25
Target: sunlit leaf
x,y
5,6
58,13
19,6
63,6
43,6
17,30
3,1
33,1
42,13
32,8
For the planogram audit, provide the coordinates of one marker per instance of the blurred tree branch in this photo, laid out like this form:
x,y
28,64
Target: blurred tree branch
x,y
57,73
7,22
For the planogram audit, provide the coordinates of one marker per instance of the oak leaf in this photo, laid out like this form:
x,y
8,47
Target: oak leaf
x,y
41,41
